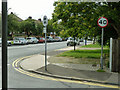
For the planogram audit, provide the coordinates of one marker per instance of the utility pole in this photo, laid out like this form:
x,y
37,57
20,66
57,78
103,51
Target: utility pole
x,y
4,44
45,22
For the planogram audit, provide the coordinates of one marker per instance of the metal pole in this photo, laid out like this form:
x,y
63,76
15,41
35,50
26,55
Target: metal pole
x,y
110,64
102,48
45,49
4,44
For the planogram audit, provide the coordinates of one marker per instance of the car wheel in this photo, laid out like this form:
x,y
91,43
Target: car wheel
x,y
9,44
67,44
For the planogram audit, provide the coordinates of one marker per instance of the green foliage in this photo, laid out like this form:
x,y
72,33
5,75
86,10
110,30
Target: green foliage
x,y
39,28
29,26
100,70
80,19
13,24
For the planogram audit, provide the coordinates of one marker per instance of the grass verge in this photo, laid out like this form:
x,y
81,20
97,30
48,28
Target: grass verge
x,y
99,70
93,46
95,54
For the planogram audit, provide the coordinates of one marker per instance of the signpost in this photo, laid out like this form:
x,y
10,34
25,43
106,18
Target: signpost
x,y
102,22
45,22
4,44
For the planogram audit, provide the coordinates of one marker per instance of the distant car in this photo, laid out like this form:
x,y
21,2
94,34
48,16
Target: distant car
x,y
81,40
57,39
32,40
70,41
8,42
66,39
49,39
41,40
60,39
18,40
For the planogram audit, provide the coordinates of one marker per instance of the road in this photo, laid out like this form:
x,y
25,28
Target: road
x,y
19,80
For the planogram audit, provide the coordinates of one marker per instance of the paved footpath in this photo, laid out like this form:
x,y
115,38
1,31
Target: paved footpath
x,y
81,72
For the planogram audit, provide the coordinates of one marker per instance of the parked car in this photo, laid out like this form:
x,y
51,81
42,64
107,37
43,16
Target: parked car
x,y
66,39
57,39
8,42
32,40
49,39
18,40
71,42
41,40
60,39
81,40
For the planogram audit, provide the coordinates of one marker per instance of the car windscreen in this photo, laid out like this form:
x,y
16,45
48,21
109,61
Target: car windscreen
x,y
71,39
21,39
47,37
16,38
28,38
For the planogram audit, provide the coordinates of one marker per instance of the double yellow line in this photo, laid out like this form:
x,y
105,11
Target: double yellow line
x,y
17,68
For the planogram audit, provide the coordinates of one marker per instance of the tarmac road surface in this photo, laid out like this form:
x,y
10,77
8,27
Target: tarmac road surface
x,y
19,80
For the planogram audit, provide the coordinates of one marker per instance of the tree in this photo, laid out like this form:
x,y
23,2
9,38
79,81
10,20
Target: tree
x,y
39,28
83,17
28,26
13,24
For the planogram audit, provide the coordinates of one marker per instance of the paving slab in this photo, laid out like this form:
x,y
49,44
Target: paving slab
x,y
34,62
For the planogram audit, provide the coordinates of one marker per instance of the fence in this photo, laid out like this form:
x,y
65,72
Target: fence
x,y
116,55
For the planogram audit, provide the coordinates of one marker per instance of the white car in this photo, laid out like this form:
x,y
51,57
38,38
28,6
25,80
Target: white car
x,y
70,41
18,40
32,40
49,39
8,42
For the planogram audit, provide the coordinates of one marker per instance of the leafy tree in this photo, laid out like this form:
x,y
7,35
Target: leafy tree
x,y
28,26
13,24
50,27
39,28
80,19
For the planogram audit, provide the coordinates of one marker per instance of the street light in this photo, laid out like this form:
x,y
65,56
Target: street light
x,y
4,44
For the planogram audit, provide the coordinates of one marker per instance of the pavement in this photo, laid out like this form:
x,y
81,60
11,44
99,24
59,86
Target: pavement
x,y
78,72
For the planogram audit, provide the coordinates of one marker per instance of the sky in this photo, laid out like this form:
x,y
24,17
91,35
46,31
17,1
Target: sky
x,y
35,8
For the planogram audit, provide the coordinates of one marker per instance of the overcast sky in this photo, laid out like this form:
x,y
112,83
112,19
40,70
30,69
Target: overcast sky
x,y
35,8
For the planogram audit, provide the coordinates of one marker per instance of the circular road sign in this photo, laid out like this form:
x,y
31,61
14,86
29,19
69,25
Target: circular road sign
x,y
102,22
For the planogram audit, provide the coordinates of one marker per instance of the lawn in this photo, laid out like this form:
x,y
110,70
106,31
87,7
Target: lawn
x,y
96,54
93,46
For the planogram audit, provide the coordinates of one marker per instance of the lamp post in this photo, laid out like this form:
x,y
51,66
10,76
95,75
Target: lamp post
x,y
4,44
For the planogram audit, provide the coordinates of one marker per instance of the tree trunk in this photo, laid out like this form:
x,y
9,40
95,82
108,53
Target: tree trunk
x,y
94,40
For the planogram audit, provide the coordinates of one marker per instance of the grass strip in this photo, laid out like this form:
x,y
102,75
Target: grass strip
x,y
96,54
93,46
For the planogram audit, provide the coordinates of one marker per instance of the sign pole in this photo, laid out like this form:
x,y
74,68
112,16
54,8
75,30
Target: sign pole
x,y
110,64
45,22
102,22
102,48
4,44
45,50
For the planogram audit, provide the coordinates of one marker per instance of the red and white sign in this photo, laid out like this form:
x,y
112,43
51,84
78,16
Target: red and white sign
x,y
102,22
